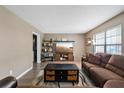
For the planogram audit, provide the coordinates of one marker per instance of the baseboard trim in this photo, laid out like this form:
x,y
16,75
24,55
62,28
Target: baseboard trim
x,y
22,74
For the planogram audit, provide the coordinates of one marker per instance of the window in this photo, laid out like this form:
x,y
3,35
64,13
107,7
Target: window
x,y
108,41
99,42
113,40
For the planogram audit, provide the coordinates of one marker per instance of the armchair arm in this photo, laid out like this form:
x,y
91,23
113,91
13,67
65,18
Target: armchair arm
x,y
8,82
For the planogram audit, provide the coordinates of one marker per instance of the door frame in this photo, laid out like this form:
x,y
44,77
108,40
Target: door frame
x,y
38,46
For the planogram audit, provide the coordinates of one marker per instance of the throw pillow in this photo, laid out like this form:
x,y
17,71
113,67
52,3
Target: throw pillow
x,y
94,59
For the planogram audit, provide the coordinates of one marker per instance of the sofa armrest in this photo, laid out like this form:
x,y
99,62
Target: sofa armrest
x,y
8,82
114,84
84,59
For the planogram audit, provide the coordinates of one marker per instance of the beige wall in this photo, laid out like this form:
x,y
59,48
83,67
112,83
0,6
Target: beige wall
x,y
107,25
79,42
15,44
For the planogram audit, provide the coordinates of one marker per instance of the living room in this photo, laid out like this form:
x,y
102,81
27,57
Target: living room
x,y
82,43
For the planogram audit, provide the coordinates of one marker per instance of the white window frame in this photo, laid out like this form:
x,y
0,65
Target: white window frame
x,y
105,44
94,44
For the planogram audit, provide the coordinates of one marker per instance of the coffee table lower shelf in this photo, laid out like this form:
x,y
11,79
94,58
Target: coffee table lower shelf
x,y
62,77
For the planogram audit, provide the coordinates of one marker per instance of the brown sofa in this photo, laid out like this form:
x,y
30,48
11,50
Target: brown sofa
x,y
104,69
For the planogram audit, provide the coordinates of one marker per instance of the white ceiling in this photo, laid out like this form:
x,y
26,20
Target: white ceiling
x,y
65,19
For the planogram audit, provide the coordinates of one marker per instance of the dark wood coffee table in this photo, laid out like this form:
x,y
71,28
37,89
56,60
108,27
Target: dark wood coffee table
x,y
61,73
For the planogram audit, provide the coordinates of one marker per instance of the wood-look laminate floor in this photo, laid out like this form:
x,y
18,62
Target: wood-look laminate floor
x,y
26,80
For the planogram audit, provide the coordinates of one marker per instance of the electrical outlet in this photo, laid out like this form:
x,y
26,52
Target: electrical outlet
x,y
10,72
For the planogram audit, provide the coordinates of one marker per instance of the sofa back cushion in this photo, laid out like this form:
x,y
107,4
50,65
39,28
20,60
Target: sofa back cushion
x,y
104,58
116,64
94,59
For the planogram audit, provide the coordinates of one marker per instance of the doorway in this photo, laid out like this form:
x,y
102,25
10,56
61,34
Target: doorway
x,y
34,48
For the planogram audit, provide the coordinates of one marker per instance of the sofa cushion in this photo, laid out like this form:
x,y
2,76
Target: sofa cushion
x,y
94,59
114,84
88,65
104,58
116,64
102,75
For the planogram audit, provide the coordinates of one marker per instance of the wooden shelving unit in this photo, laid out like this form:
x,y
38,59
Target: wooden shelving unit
x,y
48,51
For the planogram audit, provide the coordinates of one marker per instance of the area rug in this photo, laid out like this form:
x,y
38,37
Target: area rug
x,y
39,82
